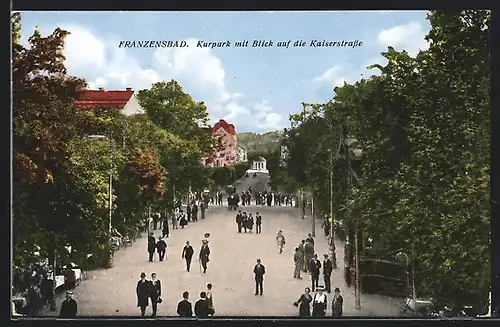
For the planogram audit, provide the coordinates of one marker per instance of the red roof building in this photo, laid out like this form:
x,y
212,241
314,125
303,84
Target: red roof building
x,y
122,100
226,153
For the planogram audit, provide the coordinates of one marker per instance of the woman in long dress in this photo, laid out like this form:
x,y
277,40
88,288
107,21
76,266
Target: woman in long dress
x,y
304,303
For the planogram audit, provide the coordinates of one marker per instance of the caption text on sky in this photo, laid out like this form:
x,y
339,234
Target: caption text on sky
x,y
242,44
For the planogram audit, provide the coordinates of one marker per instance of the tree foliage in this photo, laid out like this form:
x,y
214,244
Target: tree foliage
x,y
61,175
423,127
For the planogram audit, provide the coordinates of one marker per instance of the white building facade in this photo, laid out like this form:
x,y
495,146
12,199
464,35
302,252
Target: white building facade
x,y
241,155
259,165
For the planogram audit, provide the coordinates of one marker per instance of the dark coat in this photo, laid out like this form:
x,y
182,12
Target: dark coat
x,y
259,272
304,305
184,309
258,220
327,267
143,291
69,307
239,218
201,308
161,245
194,209
314,266
310,239
204,253
337,305
151,244
155,291
187,252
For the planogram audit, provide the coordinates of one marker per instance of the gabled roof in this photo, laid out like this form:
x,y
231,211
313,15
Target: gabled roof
x,y
92,99
259,159
229,128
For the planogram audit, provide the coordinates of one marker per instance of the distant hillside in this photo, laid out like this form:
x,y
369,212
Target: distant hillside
x,y
259,143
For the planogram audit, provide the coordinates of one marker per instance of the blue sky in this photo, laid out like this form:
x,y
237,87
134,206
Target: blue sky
x,y
254,88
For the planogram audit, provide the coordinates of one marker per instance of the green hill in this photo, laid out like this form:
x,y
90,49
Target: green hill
x,y
259,143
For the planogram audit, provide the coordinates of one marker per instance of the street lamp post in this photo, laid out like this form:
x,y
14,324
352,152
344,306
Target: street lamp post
x,y
100,137
411,285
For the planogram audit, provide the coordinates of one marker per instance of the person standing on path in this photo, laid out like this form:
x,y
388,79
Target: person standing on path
x,y
164,227
187,254
203,208
210,299
337,303
201,306
250,222
204,255
188,212
304,303
259,270
175,220
310,239
69,307
143,290
258,223
297,260
161,248
308,255
184,307
194,212
320,302
239,221
280,241
302,252
151,246
314,269
155,294
327,273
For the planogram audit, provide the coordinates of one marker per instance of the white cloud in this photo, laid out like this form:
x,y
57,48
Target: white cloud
x,y
409,37
198,70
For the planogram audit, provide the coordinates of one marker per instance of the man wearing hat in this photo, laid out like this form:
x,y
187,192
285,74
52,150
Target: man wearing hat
x,y
204,255
143,290
314,269
319,302
327,273
69,306
259,270
151,246
337,303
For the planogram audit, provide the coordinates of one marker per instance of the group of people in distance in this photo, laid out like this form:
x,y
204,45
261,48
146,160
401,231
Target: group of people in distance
x,y
245,222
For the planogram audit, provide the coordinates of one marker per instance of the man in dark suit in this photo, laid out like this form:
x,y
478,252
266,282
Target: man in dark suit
x,y
155,293
143,291
201,307
151,246
187,254
337,304
184,307
69,306
314,269
204,255
327,273
259,270
258,223
161,248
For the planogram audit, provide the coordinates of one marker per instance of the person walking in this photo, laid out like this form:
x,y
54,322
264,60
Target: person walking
x,y
188,212
304,303
143,290
308,254
258,223
151,246
250,222
204,255
69,307
184,307
175,220
155,293
210,299
239,221
187,254
161,248
194,212
165,231
337,303
201,306
280,241
297,260
327,273
314,269
320,302
259,270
